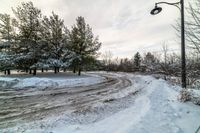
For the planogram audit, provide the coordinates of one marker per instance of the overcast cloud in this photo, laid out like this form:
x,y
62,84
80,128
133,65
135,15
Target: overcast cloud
x,y
124,26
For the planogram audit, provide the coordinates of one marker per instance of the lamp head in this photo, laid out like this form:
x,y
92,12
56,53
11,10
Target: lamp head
x,y
156,10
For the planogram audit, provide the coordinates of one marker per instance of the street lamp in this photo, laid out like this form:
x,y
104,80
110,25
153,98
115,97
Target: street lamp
x,y
157,10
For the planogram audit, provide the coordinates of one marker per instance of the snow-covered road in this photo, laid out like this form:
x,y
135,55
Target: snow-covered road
x,y
156,110
32,103
123,103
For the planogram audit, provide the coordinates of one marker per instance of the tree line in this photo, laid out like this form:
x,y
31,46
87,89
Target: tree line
x,y
31,41
164,63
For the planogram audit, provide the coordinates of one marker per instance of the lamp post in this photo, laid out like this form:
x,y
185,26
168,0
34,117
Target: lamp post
x,y
157,10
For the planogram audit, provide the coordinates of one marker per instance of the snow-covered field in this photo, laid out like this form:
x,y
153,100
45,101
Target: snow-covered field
x,y
115,103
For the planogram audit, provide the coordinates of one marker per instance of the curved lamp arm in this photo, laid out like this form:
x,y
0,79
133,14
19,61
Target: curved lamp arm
x,y
158,9
173,4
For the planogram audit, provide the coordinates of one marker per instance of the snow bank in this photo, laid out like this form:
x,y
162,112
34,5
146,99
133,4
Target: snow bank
x,y
8,82
42,83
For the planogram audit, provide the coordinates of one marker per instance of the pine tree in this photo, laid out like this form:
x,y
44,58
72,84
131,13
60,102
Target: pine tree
x,y
83,43
53,33
6,36
137,60
68,56
28,48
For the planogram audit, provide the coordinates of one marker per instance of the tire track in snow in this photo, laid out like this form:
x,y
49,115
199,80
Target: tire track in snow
x,y
21,106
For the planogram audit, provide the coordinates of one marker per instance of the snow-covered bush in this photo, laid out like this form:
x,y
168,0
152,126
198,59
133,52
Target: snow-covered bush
x,y
196,84
195,96
184,96
190,95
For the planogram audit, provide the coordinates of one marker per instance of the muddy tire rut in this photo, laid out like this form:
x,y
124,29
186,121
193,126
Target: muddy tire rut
x,y
31,104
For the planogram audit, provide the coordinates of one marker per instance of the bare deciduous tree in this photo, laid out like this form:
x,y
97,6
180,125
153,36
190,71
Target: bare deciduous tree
x,y
192,25
165,52
107,57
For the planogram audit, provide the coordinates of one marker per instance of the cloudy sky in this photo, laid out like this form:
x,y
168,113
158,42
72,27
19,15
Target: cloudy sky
x,y
124,26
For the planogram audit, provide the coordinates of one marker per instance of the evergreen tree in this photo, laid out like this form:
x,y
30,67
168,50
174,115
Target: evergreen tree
x,y
6,36
29,41
137,60
28,48
68,55
53,33
83,43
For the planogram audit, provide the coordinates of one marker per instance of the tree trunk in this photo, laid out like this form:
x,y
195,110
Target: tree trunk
x,y
64,70
55,70
30,71
42,70
79,71
58,69
5,72
74,70
26,70
34,71
8,71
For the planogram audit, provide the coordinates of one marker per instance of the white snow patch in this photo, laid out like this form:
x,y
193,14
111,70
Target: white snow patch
x,y
43,82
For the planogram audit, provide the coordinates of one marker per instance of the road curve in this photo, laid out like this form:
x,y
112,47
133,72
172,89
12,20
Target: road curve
x,y
30,104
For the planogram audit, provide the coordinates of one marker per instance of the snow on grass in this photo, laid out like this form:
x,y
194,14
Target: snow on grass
x,y
49,80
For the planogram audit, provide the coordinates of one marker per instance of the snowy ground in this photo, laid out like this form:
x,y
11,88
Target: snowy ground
x,y
120,103
45,80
